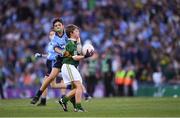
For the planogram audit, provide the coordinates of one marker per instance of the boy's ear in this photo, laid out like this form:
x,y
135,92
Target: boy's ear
x,y
71,34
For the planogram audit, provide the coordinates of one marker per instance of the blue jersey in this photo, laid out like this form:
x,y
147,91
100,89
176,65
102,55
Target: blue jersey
x,y
56,41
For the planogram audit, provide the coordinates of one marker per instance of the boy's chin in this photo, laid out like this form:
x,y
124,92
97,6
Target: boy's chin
x,y
59,30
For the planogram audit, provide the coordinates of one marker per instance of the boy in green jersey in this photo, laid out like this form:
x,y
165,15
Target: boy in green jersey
x,y
69,69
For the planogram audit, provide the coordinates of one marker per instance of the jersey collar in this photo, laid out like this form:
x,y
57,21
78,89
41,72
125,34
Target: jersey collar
x,y
59,35
72,39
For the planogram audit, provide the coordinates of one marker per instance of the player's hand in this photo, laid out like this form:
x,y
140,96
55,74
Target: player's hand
x,y
37,55
88,54
78,40
67,54
51,34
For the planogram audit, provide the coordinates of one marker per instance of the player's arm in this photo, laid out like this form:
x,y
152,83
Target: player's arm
x,y
38,55
44,55
62,52
59,50
56,47
79,46
79,57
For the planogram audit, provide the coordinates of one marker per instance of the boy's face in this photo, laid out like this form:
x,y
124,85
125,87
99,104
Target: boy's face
x,y
75,34
58,27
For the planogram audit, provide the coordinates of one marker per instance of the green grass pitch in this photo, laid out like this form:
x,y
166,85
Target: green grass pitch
x,y
102,107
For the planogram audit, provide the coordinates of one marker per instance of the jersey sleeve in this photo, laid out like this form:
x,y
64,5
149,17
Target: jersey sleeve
x,y
54,43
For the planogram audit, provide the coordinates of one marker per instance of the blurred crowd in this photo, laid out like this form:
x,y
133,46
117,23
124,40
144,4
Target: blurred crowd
x,y
141,36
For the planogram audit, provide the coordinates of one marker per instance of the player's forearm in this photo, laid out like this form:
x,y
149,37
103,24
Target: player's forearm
x,y
58,50
78,57
44,55
38,55
79,48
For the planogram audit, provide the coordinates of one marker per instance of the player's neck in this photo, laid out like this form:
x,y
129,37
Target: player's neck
x,y
60,34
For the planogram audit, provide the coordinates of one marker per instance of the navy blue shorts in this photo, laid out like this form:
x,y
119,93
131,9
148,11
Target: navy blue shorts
x,y
53,63
58,62
49,65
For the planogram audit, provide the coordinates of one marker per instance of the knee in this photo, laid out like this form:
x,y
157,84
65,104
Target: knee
x,y
79,86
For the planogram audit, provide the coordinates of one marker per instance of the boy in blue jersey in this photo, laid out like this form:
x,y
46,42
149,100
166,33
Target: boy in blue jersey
x,y
49,63
58,42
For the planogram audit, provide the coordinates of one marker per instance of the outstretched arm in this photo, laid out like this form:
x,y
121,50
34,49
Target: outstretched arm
x,y
38,55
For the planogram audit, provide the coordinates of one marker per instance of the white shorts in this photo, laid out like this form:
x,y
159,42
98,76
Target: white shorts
x,y
70,73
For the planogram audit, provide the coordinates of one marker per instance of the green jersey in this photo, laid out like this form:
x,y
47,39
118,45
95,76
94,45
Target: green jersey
x,y
71,47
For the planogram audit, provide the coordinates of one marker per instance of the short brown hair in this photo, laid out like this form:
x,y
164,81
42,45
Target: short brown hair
x,y
70,28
